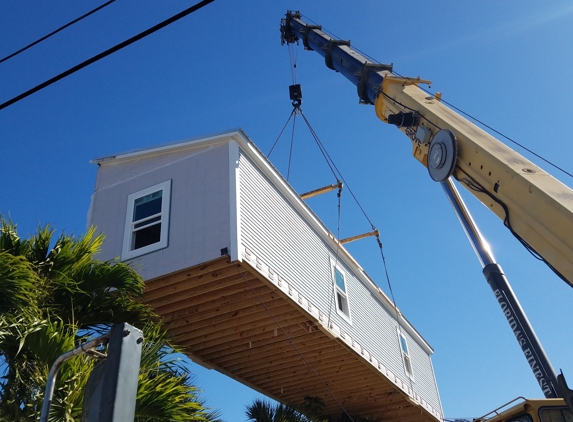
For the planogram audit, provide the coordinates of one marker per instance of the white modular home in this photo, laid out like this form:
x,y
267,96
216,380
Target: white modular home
x,y
254,285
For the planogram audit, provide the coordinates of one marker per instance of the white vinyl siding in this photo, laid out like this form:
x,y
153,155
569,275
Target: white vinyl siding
x,y
147,221
277,233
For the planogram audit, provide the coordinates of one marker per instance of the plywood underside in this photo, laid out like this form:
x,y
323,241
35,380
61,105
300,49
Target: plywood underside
x,y
231,318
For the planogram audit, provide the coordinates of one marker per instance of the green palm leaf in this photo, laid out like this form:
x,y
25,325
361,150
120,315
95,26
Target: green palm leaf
x,y
55,297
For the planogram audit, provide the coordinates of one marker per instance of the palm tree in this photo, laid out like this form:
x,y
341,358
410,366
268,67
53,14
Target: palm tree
x,y
264,411
313,407
53,296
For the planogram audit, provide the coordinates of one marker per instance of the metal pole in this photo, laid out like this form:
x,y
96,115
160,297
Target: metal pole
x,y
49,393
481,247
514,313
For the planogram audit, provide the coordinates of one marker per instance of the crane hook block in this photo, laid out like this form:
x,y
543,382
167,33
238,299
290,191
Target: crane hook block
x,y
295,93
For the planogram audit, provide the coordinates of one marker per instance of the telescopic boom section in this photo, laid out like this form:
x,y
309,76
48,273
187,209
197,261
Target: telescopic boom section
x,y
536,207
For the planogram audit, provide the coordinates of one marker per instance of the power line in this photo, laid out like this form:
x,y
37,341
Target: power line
x,y
56,31
107,52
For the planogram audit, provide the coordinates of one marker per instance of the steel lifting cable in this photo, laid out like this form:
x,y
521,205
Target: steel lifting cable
x,y
292,58
281,134
398,313
295,110
333,273
332,166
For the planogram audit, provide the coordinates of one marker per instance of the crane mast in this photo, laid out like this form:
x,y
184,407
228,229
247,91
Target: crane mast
x,y
533,205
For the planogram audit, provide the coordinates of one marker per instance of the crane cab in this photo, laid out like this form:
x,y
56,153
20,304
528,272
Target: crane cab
x,y
530,410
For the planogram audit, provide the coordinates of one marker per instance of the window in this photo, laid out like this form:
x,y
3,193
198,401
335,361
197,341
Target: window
x,y
555,414
526,417
341,294
147,220
405,355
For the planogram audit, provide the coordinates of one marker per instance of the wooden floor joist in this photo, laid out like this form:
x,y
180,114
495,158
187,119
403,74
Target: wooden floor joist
x,y
229,317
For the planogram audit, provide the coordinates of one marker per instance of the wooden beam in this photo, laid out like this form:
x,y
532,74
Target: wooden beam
x,y
191,283
203,319
216,287
232,300
238,286
311,341
236,319
255,344
179,276
233,336
292,357
290,374
242,325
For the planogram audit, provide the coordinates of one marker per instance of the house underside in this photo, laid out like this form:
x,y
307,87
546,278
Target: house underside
x,y
231,318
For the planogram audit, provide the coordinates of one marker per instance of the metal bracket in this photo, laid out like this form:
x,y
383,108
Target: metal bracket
x,y
287,36
328,53
380,104
305,35
363,80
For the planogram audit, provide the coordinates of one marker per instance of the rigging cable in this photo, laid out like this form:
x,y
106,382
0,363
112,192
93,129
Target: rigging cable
x,y
281,134
337,174
329,160
107,52
292,58
333,273
291,141
56,31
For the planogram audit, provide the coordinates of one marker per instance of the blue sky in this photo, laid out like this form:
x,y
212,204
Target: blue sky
x,y
507,63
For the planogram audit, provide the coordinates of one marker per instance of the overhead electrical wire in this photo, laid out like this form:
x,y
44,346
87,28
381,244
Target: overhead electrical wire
x,y
107,52
56,31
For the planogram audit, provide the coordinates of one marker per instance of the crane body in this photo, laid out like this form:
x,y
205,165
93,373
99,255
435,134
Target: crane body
x,y
533,205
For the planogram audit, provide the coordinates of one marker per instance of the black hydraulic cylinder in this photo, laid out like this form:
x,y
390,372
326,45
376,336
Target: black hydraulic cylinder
x,y
523,331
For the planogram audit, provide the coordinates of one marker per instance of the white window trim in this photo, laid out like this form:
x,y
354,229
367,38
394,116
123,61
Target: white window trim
x,y
126,252
405,355
333,266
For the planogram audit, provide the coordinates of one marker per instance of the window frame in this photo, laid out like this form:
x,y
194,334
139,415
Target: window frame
x,y
126,251
337,291
405,354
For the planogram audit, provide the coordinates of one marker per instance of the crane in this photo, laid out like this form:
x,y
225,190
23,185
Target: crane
x,y
533,205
